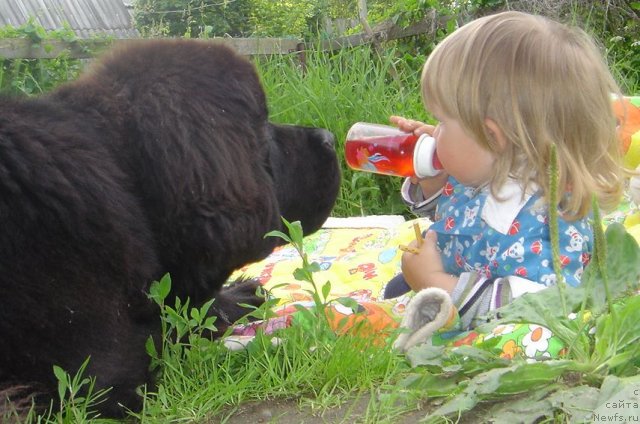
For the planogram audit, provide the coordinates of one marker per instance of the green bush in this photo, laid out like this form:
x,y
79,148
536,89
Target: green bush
x,y
34,76
192,18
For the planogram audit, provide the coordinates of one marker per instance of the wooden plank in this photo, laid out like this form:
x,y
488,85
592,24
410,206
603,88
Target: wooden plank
x,y
387,32
261,46
21,48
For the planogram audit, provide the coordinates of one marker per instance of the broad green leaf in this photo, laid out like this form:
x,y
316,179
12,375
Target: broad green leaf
x,y
518,378
62,378
479,355
204,309
279,234
619,397
611,385
301,274
295,231
150,348
195,314
577,402
619,332
482,384
540,308
209,324
326,289
527,376
434,385
527,408
426,354
159,290
313,267
348,302
60,374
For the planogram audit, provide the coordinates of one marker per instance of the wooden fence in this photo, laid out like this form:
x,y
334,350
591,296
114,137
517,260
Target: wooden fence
x,y
22,48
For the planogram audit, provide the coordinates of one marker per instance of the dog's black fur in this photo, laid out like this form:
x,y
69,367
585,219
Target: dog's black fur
x,y
160,159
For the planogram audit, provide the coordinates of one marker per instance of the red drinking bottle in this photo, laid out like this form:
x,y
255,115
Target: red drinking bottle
x,y
387,150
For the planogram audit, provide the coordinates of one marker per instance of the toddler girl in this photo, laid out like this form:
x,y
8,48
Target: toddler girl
x,y
504,89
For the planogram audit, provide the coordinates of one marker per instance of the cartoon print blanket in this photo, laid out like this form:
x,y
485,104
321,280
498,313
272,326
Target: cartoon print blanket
x,y
358,256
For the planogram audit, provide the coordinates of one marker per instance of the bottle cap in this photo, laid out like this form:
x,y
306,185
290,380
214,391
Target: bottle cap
x,y
425,159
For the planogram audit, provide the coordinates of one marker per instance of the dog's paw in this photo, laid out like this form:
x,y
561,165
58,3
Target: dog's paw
x,y
228,303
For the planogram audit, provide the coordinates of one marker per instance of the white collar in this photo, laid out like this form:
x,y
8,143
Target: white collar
x,y
500,214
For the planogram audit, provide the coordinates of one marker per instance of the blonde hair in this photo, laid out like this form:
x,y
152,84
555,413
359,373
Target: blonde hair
x,y
543,84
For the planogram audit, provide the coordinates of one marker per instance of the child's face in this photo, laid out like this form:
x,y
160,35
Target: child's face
x,y
460,154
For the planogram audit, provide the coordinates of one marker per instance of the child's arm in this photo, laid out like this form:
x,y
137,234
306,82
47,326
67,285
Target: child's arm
x,y
473,294
424,269
420,194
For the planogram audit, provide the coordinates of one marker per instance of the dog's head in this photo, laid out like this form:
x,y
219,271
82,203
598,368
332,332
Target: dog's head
x,y
205,151
307,187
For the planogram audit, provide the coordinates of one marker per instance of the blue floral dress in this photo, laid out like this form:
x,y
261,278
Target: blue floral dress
x,y
507,235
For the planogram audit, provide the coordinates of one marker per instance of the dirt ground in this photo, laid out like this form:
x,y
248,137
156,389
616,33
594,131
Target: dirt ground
x,y
290,412
354,412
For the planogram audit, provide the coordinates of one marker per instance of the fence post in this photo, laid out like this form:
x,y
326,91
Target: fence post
x,y
362,11
302,56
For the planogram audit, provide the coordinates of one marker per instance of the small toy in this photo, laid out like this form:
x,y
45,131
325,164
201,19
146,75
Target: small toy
x,y
627,111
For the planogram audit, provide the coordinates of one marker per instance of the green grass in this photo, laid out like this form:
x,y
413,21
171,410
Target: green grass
x,y
201,381
196,386
334,91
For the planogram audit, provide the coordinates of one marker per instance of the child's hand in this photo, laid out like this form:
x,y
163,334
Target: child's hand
x,y
409,125
429,185
424,269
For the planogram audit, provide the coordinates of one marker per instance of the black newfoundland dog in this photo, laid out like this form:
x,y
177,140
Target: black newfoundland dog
x,y
160,159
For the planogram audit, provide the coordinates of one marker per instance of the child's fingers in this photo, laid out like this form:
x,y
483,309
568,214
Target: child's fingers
x,y
405,124
398,120
408,249
431,237
431,240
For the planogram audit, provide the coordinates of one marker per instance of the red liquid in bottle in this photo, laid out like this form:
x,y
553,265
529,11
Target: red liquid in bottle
x,y
389,155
